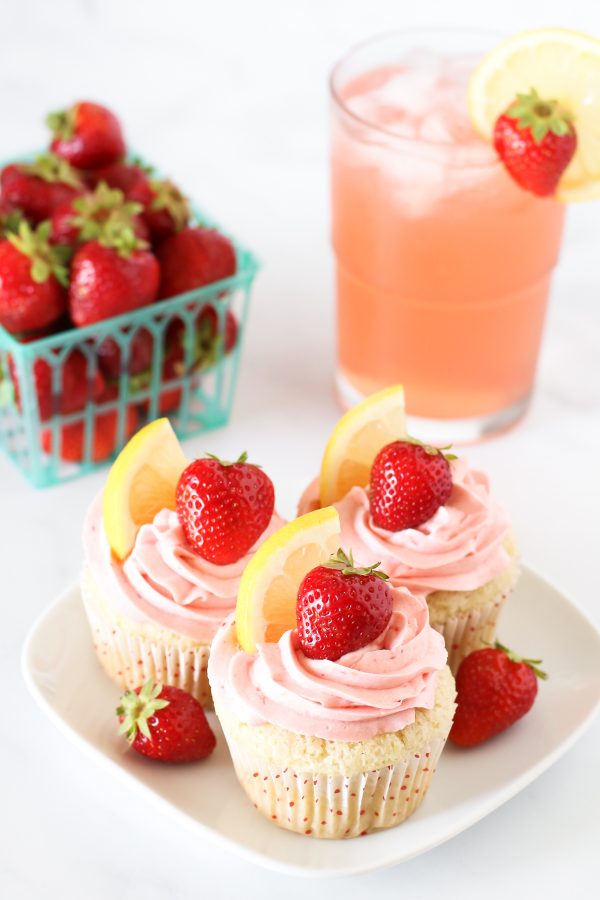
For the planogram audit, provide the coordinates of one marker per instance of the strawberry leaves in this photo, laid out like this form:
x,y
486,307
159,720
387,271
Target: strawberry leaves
x,y
540,116
345,564
135,710
46,259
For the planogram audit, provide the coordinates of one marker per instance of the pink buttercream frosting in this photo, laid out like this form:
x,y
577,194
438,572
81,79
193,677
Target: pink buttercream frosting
x,y
371,691
163,580
459,548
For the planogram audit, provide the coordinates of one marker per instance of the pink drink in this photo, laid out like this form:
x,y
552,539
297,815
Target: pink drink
x,y
443,262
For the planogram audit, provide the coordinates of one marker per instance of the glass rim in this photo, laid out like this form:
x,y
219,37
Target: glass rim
x,y
400,32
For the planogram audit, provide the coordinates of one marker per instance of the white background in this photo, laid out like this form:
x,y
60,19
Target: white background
x,y
230,98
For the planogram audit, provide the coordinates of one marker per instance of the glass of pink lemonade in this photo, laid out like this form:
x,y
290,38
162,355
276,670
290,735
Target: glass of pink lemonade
x,y
443,262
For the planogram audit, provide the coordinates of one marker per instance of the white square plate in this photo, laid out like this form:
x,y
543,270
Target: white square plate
x,y
66,680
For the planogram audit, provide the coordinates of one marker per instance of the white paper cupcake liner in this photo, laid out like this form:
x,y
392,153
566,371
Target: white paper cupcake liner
x,y
131,659
337,806
471,630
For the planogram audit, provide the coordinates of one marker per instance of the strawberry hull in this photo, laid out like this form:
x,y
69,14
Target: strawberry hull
x,y
142,367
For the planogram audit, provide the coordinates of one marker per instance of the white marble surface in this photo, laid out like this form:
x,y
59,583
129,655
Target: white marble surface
x,y
230,98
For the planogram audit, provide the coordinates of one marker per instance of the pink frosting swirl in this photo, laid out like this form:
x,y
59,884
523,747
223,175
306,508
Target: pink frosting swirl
x,y
459,548
368,692
163,581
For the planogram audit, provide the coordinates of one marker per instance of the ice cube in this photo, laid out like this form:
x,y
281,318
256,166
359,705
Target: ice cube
x,y
436,127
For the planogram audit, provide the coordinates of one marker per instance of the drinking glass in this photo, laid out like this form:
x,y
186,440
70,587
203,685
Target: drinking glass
x,y
443,263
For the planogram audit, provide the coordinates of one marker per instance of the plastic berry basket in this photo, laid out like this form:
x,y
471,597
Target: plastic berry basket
x,y
51,446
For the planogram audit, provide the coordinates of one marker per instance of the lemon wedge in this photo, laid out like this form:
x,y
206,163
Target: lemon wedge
x,y
561,65
357,439
142,481
266,603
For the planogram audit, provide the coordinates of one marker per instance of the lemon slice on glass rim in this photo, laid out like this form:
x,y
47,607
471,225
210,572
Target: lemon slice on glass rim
x,y
561,65
142,481
266,602
357,439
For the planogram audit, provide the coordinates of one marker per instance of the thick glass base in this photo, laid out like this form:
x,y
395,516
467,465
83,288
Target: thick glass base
x,y
445,431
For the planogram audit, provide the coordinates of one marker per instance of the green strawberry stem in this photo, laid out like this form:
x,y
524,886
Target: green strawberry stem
x,y
118,234
242,458
135,710
514,657
62,123
139,163
431,451
105,213
54,169
46,259
540,116
167,196
345,564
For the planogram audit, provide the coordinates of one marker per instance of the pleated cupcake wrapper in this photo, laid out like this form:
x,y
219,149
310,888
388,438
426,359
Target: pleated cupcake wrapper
x,y
470,630
131,659
337,806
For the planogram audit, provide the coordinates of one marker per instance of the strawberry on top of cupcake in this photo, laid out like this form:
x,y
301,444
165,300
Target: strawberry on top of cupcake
x,y
426,514
359,662
330,685
165,548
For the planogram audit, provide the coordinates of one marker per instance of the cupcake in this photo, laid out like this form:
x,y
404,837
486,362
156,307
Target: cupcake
x,y
433,523
155,606
335,728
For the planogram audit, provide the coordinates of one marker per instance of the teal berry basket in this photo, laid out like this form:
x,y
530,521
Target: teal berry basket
x,y
51,444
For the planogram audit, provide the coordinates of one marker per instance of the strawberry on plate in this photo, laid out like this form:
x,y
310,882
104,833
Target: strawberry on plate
x,y
536,141
166,724
409,482
495,688
87,135
38,188
224,507
193,257
111,276
341,607
33,279
166,210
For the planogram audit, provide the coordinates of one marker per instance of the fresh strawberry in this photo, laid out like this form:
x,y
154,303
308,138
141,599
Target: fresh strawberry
x,y
88,217
113,275
495,688
10,220
165,723
104,436
87,135
224,507
140,366
33,278
192,258
76,385
409,482
208,330
166,210
535,140
37,189
139,357
341,607
119,175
